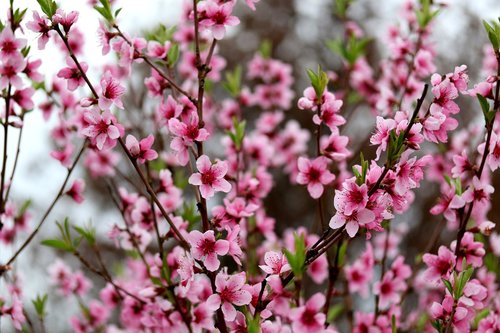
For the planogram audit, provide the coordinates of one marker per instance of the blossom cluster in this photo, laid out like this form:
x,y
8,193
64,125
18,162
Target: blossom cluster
x,y
193,245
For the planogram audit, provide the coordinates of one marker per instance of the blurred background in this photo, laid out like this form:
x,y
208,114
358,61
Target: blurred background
x,y
297,31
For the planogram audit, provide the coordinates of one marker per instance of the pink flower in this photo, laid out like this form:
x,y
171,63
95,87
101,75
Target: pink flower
x,y
185,134
389,290
251,3
41,25
329,114
111,90
353,196
335,147
206,248
381,136
76,190
73,74
350,204
203,317
23,98
9,70
424,65
309,317
443,312
100,128
276,263
16,313
210,179
217,17
141,150
229,292
493,158
472,251
314,174
65,19
169,109
440,265
158,51
10,46
479,192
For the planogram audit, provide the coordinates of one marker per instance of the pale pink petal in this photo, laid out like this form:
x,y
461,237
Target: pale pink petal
x,y
229,311
221,247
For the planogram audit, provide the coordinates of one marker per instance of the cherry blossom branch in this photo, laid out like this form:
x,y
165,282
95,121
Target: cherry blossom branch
x,y
4,162
106,278
489,129
158,70
328,238
411,67
382,266
127,228
155,220
75,59
131,158
4,268
16,159
152,193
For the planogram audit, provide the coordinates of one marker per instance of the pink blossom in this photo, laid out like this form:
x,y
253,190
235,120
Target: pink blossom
x,y
471,250
276,263
10,70
335,147
72,74
443,312
309,317
229,292
76,190
141,150
65,19
329,114
111,90
389,290
251,3
206,248
158,51
185,134
23,98
203,317
100,128
41,25
217,17
10,46
210,177
440,265
479,192
314,174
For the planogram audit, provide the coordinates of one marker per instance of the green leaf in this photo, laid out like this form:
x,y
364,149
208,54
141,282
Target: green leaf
x,y
266,48
341,6
334,312
485,106
105,11
342,253
57,244
253,323
173,55
39,304
297,259
48,7
88,233
481,315
463,278
233,81
448,285
319,81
